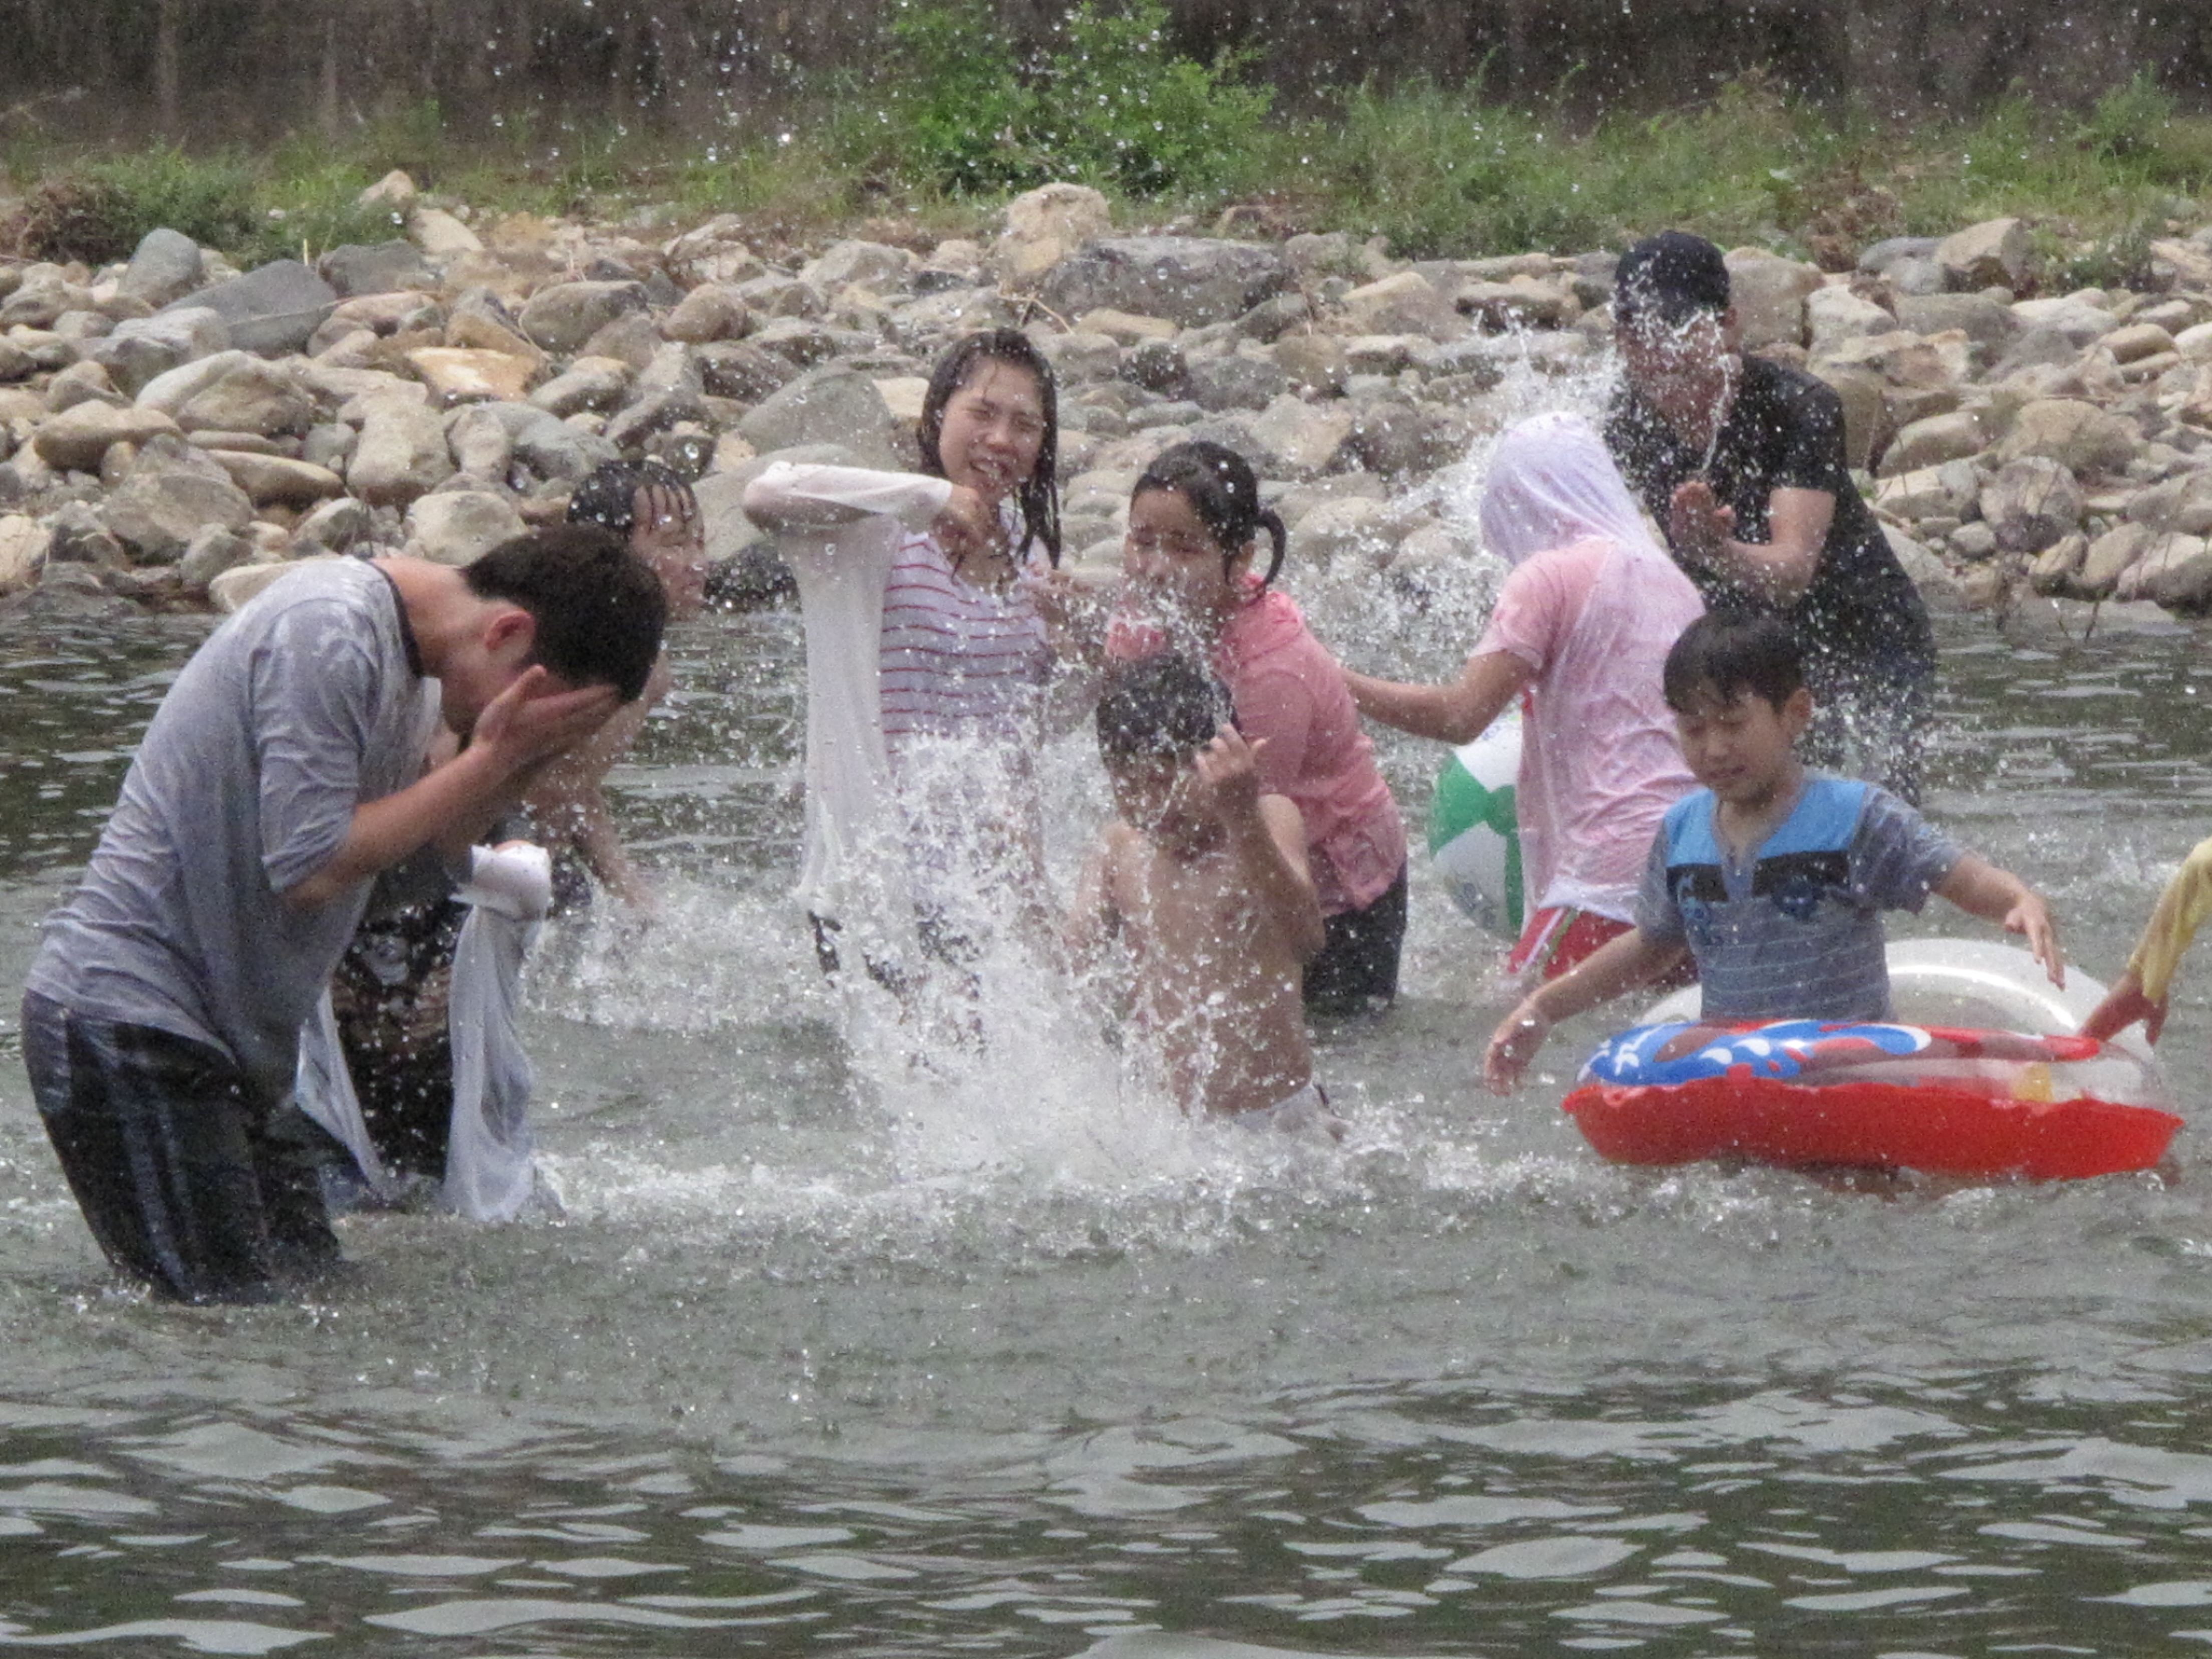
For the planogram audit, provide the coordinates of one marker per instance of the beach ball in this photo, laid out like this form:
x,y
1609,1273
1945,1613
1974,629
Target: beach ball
x,y
1474,842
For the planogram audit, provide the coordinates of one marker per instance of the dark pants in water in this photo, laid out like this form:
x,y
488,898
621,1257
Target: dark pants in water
x,y
1357,971
191,1177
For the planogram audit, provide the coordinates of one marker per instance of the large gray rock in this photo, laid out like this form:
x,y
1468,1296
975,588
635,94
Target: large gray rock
x,y
1188,280
561,317
402,454
2030,504
1404,303
1769,294
2078,435
1045,226
1932,441
833,406
2176,572
1986,323
458,526
257,397
1834,316
2109,558
2076,321
710,312
275,309
23,543
77,438
212,551
166,266
171,391
556,452
872,265
2180,506
140,349
393,267
1994,254
278,480
170,495
482,443
1220,383
334,527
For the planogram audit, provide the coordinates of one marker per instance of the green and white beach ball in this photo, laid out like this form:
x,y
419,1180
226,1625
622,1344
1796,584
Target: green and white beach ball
x,y
1474,840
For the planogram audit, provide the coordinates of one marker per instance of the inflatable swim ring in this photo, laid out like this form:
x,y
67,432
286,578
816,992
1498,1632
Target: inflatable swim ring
x,y
1926,1095
1474,840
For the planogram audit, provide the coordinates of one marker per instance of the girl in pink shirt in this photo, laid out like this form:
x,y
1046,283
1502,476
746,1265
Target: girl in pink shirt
x,y
1194,520
1581,626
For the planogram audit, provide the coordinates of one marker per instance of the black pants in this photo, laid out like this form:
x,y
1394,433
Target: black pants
x,y
191,1177
1357,971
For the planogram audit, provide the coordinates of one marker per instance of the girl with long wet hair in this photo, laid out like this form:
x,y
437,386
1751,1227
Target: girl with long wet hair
x,y
927,658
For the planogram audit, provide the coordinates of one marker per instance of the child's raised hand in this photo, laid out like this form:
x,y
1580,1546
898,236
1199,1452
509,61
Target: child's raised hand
x,y
1512,1046
2031,918
2123,1005
966,526
1228,769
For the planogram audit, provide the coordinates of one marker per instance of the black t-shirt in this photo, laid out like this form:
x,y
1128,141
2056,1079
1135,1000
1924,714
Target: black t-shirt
x,y
1861,620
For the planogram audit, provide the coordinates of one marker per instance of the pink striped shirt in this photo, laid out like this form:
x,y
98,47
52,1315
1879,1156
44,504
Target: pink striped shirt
x,y
954,658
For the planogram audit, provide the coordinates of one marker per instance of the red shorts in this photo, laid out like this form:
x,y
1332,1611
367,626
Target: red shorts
x,y
1562,938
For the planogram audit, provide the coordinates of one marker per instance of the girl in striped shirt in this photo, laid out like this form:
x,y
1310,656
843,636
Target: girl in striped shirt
x,y
926,662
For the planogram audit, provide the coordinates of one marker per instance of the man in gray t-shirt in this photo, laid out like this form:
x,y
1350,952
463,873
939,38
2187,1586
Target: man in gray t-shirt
x,y
284,768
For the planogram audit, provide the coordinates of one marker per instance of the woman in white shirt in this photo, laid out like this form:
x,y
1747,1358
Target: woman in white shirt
x,y
926,660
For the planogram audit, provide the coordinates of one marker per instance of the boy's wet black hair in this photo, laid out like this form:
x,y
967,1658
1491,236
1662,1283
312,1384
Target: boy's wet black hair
x,y
608,495
599,611
1160,707
1038,497
1221,489
1726,654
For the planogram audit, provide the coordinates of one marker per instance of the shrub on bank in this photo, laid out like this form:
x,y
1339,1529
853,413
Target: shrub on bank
x,y
962,116
1107,102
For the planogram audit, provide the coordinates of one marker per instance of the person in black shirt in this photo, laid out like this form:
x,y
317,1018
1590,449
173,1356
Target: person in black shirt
x,y
1741,462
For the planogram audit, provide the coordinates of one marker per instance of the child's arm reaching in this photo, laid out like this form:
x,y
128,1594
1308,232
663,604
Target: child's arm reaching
x,y
2141,993
1633,959
1980,889
1268,835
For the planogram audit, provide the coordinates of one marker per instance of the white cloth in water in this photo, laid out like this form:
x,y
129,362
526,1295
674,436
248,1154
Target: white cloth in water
x,y
1296,1113
840,528
490,1170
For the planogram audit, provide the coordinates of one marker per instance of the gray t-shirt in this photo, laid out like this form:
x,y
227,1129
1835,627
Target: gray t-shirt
x,y
296,711
1794,932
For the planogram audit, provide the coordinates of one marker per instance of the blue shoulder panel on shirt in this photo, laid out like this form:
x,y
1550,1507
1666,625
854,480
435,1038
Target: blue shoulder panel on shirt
x,y
1824,820
1689,830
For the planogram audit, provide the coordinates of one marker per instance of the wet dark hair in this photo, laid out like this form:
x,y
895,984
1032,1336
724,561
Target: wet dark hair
x,y
1221,489
1160,707
599,612
1726,654
608,495
1038,496
1668,279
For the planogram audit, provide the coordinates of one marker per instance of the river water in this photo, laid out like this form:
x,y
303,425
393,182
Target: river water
x,y
1024,1369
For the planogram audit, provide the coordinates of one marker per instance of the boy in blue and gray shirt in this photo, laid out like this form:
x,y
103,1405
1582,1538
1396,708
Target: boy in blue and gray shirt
x,y
1772,879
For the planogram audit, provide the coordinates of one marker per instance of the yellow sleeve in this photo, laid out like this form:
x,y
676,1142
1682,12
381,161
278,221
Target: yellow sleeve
x,y
2181,909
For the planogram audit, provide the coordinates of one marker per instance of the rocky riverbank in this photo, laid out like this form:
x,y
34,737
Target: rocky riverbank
x,y
173,432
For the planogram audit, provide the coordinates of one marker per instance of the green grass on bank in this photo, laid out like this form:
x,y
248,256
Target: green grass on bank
x,y
968,120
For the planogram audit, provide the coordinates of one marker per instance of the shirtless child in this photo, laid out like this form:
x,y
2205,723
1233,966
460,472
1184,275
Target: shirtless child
x,y
1204,881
